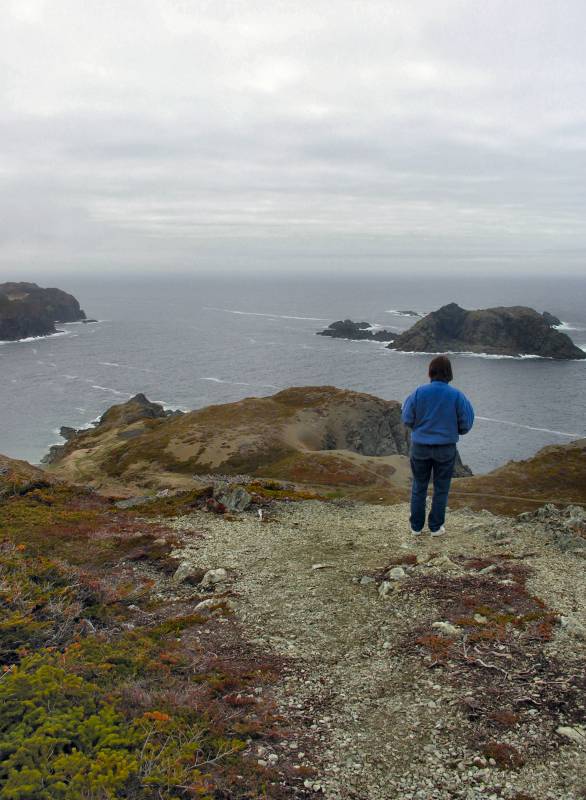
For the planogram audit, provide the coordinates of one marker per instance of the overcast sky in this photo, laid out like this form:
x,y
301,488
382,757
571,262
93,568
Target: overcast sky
x,y
186,134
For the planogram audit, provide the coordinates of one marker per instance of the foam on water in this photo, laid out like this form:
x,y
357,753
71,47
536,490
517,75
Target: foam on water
x,y
531,427
469,354
402,313
108,389
569,326
34,338
123,366
240,383
258,314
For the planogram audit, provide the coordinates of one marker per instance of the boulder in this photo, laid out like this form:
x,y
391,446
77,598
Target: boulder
x,y
212,577
187,573
235,499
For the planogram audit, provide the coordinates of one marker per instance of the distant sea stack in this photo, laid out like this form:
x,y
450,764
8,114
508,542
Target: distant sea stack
x,y
513,331
28,310
346,329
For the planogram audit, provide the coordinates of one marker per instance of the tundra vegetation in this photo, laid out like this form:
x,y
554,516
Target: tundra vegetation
x,y
111,686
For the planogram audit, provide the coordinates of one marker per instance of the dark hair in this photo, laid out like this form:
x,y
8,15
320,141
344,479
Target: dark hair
x,y
440,369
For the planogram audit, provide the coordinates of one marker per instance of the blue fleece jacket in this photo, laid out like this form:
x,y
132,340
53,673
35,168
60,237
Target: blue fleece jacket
x,y
437,413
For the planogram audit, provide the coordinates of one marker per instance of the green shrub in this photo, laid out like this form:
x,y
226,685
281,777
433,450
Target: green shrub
x,y
59,739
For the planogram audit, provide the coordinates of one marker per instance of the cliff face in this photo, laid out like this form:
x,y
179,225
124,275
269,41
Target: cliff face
x,y
28,310
510,331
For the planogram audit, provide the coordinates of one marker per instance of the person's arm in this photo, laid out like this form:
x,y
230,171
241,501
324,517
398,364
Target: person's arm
x,y
408,411
465,414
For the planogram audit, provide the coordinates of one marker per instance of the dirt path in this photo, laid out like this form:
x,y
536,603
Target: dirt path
x,y
388,726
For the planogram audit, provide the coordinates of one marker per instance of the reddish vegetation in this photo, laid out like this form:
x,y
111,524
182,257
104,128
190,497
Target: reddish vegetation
x,y
498,663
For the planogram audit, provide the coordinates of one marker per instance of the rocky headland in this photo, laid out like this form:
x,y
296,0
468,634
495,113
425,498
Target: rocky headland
x,y
356,331
508,331
313,436
28,310
249,637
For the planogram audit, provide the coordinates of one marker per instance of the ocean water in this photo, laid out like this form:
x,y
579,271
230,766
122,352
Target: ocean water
x,y
191,342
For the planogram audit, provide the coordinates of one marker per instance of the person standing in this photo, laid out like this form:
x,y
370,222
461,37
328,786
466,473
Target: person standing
x,y
437,414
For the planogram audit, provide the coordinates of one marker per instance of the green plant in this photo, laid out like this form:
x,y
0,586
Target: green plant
x,y
59,739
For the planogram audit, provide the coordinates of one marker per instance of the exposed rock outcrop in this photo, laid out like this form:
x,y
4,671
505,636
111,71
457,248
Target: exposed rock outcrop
x,y
136,409
346,329
513,331
551,319
28,310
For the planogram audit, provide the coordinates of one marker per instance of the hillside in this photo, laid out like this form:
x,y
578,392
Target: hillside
x,y
318,436
314,649
27,310
556,474
328,439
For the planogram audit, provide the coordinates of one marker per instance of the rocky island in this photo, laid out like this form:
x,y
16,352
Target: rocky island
x,y
356,331
28,310
509,331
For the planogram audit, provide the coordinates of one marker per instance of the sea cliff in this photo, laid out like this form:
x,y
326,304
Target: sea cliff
x,y
28,310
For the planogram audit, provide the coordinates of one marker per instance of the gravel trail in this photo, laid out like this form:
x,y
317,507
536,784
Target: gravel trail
x,y
388,726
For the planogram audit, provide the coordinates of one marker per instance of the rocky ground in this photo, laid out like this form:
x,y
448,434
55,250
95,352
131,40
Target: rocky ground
x,y
420,668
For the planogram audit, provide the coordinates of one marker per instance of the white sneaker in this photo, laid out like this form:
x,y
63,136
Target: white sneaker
x,y
416,533
439,532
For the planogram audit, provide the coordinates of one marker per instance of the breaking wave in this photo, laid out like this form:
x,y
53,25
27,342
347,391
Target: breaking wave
x,y
34,338
213,379
258,314
108,389
531,427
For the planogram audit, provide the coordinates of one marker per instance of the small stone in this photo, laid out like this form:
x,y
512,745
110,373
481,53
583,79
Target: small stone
x,y
573,627
385,588
574,734
396,573
480,619
273,758
188,573
488,570
366,580
213,576
261,762
447,628
322,566
213,604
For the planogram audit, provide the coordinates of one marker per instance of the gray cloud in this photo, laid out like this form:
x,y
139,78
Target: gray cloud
x,y
193,133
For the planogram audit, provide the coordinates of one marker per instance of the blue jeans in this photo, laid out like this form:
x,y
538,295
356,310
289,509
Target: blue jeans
x,y
428,459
